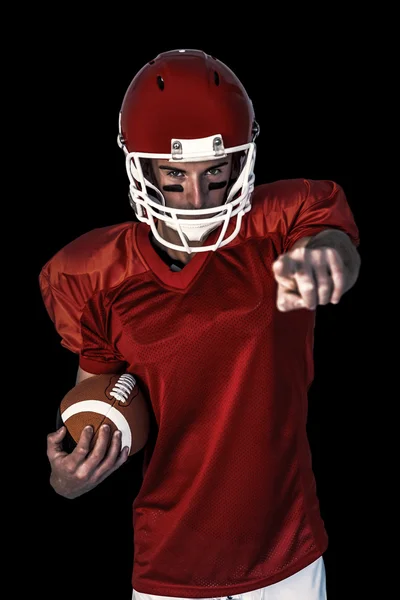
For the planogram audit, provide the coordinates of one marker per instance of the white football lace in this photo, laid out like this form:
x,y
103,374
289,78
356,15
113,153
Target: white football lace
x,y
123,388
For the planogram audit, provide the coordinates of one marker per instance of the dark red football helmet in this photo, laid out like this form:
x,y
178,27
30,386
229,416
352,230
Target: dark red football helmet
x,y
187,106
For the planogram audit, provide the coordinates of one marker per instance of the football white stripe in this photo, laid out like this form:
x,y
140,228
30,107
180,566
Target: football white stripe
x,y
102,408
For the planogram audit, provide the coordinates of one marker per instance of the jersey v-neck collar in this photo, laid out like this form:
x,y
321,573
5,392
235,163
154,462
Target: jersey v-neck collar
x,y
174,265
175,279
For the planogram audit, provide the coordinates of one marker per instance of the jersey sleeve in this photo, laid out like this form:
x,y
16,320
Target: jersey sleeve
x,y
73,285
64,296
99,324
322,206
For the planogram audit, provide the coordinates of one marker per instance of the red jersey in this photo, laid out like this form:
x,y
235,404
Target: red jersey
x,y
228,502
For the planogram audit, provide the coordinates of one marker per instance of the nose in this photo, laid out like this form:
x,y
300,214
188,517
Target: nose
x,y
196,193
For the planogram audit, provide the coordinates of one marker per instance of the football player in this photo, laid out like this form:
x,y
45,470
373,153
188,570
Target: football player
x,y
208,297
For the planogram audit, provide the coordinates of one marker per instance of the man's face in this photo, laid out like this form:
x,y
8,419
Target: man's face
x,y
193,185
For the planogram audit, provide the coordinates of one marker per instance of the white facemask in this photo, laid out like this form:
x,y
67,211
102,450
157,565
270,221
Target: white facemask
x,y
150,207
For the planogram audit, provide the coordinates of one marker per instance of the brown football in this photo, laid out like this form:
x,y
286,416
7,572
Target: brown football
x,y
112,399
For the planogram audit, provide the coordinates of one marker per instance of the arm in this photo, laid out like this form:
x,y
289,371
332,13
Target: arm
x,y
316,270
81,375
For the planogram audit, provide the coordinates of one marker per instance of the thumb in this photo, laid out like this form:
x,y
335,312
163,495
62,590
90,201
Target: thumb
x,y
54,439
60,433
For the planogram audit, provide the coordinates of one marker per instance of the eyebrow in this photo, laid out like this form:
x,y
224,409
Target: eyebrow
x,y
172,168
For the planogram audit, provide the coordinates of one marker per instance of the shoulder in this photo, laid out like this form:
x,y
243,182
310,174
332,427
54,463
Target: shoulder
x,y
288,209
284,194
102,255
95,262
87,267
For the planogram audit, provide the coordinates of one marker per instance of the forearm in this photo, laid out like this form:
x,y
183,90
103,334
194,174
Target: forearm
x,y
339,241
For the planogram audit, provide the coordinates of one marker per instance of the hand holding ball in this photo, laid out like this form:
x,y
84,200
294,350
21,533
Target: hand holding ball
x,y
115,400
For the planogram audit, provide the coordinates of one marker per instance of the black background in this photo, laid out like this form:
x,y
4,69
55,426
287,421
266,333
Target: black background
x,y
303,79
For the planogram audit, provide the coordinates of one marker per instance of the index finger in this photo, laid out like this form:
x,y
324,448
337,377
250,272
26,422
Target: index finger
x,y
83,446
284,269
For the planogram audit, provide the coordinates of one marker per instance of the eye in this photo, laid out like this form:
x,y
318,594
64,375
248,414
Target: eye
x,y
214,172
177,174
